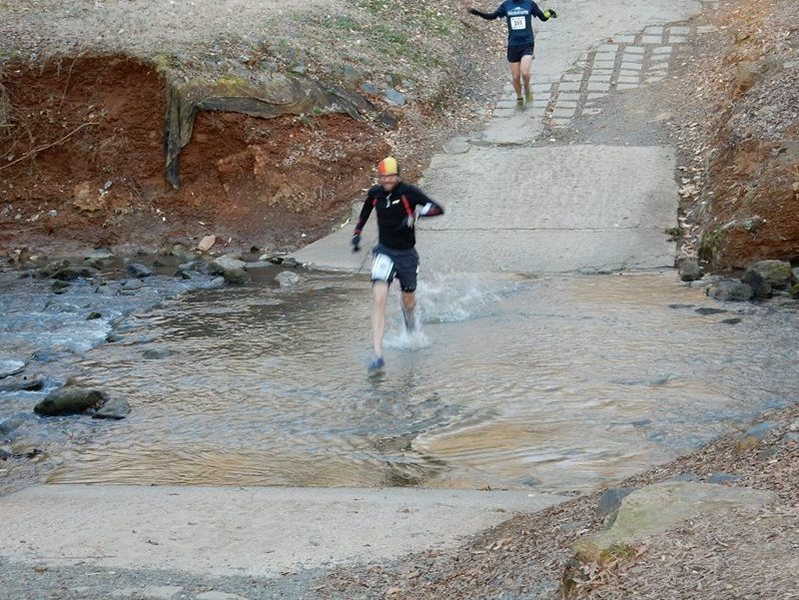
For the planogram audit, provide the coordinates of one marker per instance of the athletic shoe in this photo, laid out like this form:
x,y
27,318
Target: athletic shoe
x,y
519,102
376,364
528,97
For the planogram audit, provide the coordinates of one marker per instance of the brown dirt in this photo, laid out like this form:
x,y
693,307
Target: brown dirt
x,y
86,142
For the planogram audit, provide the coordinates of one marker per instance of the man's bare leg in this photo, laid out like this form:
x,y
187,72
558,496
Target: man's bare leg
x,y
380,296
408,306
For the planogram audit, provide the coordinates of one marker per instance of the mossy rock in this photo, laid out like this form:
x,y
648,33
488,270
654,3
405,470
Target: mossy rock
x,y
777,273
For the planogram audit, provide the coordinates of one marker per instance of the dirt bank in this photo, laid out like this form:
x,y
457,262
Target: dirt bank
x,y
85,164
739,137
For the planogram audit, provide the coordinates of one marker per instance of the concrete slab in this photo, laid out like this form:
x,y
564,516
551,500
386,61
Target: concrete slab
x,y
548,251
583,208
595,86
569,86
515,130
241,531
631,66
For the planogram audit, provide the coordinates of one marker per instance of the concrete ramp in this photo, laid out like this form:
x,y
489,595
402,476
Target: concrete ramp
x,y
561,209
242,531
589,208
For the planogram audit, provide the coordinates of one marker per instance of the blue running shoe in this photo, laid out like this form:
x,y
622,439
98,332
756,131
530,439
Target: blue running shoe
x,y
376,364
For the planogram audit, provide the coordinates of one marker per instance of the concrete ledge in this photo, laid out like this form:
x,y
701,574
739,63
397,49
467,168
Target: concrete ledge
x,y
242,531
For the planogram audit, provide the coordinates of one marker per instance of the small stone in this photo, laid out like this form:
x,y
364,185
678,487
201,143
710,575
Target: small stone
x,y
206,243
139,270
288,279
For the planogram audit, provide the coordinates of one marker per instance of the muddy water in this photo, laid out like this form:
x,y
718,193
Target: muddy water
x,y
555,384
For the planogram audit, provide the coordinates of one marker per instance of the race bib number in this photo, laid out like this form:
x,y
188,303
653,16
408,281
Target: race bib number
x,y
382,267
517,23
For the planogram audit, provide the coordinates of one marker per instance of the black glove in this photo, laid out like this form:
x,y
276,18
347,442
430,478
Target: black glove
x,y
552,13
356,242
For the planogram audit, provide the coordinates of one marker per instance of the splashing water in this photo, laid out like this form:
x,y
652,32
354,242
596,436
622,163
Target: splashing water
x,y
451,298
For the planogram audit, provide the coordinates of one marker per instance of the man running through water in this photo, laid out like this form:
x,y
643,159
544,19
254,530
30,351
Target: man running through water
x,y
398,205
521,40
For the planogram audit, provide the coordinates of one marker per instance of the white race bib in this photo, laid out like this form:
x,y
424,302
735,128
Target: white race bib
x,y
382,267
517,23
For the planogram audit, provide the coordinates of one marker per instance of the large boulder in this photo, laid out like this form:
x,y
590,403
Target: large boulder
x,y
231,268
139,271
730,290
236,276
22,383
761,289
220,264
288,279
777,273
656,508
73,273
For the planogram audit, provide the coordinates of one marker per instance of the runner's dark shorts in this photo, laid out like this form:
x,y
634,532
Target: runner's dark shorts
x,y
515,53
406,266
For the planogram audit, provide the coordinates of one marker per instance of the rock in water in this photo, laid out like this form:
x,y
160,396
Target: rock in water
x,y
69,400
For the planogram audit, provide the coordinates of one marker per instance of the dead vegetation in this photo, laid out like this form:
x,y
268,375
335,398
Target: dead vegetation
x,y
739,138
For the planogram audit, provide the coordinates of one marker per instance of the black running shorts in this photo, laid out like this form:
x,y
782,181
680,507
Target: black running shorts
x,y
405,268
515,53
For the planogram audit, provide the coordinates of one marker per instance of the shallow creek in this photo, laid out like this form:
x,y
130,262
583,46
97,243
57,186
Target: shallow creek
x,y
554,384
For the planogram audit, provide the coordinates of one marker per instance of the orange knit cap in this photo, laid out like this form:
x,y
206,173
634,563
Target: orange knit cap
x,y
388,166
